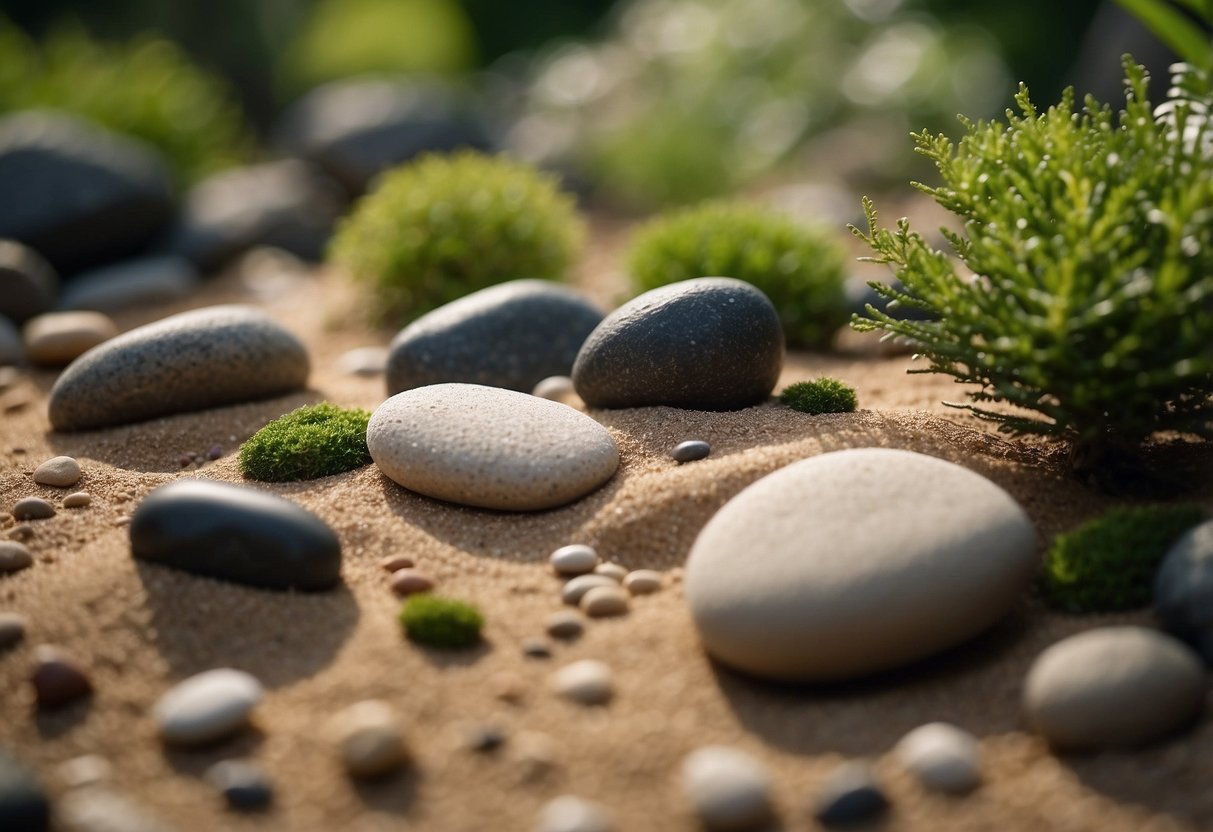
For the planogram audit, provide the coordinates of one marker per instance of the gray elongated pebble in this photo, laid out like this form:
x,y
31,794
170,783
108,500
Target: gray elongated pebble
x,y
58,338
712,343
642,582
604,601
243,783
574,559
855,562
851,794
33,508
575,589
943,757
157,278
691,450
207,707
59,471
28,284
24,803
12,628
587,682
192,361
14,556
1183,589
490,448
572,814
79,499
564,624
728,789
368,738
511,335
237,534
1113,687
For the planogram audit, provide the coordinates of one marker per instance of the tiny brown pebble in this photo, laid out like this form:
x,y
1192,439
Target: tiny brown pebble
x,y
393,563
408,581
215,452
33,508
507,687
19,450
78,500
14,556
124,520
58,678
12,629
185,461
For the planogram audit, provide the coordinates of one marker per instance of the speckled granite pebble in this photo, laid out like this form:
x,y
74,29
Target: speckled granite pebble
x,y
58,472
57,338
14,556
511,335
28,284
490,448
207,707
200,359
712,343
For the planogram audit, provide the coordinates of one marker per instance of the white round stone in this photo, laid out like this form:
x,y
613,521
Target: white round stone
x,y
612,570
642,582
588,682
1113,687
604,601
368,737
943,757
59,471
576,589
572,814
727,788
574,559
854,562
490,448
207,707
556,388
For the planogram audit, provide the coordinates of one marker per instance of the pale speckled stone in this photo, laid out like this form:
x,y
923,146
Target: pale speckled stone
x,y
195,360
728,789
587,682
943,757
574,559
642,582
59,472
490,448
854,562
575,589
58,338
207,707
1113,687
605,601
572,814
368,738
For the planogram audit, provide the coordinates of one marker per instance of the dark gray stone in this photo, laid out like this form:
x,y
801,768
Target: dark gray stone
x,y
78,194
851,794
691,450
11,350
131,283
205,358
712,343
243,783
237,534
355,129
1183,589
287,204
28,283
33,508
24,805
512,335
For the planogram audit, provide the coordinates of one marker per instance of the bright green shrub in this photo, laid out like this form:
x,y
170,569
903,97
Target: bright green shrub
x,y
1108,564
443,226
823,395
315,441
441,622
1080,291
799,269
147,88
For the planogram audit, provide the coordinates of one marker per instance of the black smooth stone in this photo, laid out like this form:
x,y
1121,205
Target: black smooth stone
x,y
691,450
24,805
78,194
237,534
512,335
1183,589
850,795
244,784
712,343
354,130
28,284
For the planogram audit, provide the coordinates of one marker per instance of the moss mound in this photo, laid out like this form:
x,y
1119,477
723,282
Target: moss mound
x,y
315,441
445,623
823,395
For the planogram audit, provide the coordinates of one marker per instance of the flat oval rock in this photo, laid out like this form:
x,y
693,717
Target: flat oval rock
x,y
512,335
207,707
196,360
855,562
237,534
713,343
490,448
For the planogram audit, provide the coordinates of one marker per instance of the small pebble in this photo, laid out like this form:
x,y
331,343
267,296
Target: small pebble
x,y
24,803
572,814
691,450
99,809
14,556
605,601
21,533
579,586
393,563
243,783
408,581
214,452
587,682
554,388
8,377
564,624
33,508
642,582
364,361
850,794
574,559
59,471
58,678
485,737
612,570
536,648
85,770
943,757
80,499
507,687
58,338
369,739
534,756
727,788
207,707
12,628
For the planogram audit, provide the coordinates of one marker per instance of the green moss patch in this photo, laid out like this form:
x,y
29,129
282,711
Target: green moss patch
x,y
315,441
823,395
445,623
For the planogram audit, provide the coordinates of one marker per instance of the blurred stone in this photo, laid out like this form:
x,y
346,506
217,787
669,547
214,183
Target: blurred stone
x,y
130,284
28,284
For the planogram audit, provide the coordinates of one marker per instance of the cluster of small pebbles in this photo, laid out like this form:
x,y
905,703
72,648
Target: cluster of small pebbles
x,y
405,578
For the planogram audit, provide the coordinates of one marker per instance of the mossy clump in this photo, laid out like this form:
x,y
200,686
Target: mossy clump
x,y
443,226
800,269
823,395
445,623
314,441
1108,563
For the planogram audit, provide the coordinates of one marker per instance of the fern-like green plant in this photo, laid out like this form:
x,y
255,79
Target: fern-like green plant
x,y
1079,295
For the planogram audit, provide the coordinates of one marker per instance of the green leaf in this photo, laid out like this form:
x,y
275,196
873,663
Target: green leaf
x,y
1174,28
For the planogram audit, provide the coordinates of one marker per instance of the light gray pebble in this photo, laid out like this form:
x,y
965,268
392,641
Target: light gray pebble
x,y
728,789
365,362
59,472
612,570
554,388
33,508
368,738
12,628
85,770
579,586
691,450
128,284
943,757
572,814
207,707
605,601
98,809
587,682
564,624
574,559
642,582
80,499
58,338
14,556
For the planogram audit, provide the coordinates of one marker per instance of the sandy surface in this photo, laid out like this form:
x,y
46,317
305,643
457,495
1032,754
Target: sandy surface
x,y
140,627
